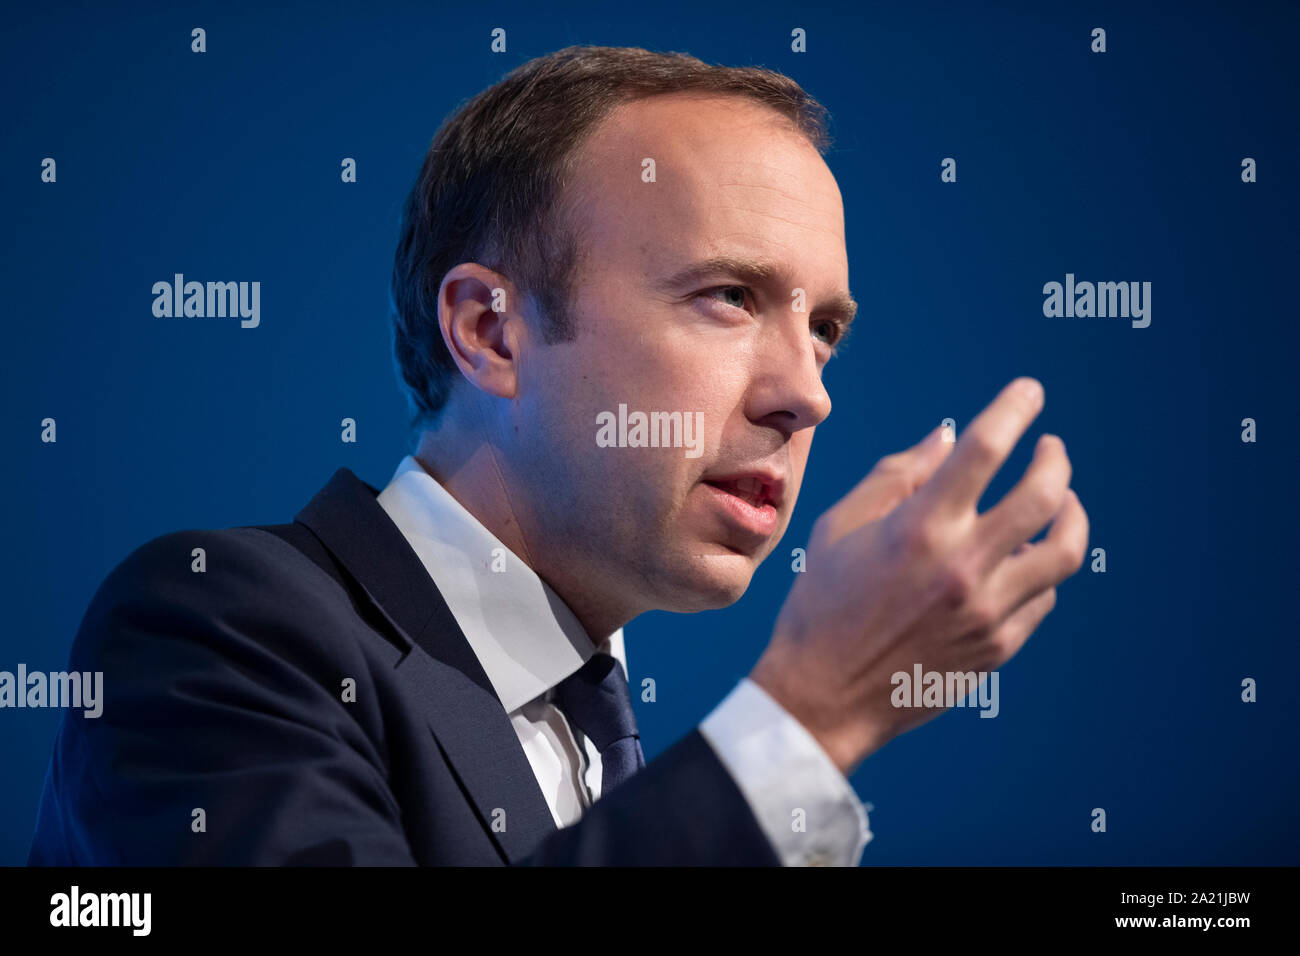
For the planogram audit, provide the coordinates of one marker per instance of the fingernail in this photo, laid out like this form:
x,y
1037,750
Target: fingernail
x,y
1030,388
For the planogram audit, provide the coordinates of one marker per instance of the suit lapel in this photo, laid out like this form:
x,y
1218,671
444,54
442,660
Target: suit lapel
x,y
463,710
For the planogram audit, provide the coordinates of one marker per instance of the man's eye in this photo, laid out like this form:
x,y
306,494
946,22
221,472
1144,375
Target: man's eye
x,y
831,331
737,295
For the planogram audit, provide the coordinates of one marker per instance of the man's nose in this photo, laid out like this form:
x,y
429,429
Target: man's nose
x,y
787,391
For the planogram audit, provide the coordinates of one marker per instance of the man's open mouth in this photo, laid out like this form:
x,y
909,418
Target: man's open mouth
x,y
753,491
757,485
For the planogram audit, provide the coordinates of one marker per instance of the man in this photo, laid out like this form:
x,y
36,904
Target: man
x,y
435,673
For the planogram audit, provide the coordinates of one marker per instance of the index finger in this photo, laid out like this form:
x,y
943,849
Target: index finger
x,y
983,447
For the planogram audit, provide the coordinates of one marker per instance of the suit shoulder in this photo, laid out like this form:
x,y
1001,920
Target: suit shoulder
x,y
216,588
212,562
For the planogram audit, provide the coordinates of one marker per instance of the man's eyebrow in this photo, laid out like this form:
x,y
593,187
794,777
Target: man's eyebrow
x,y
841,305
751,271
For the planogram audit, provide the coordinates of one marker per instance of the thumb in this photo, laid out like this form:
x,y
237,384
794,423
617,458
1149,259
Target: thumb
x,y
897,476
929,453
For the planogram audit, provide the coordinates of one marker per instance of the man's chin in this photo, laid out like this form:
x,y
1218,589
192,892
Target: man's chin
x,y
714,579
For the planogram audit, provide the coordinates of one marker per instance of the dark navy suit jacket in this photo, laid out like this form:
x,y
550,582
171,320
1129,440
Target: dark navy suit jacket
x,y
223,691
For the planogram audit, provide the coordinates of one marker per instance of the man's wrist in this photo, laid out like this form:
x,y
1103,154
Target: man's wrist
x,y
846,746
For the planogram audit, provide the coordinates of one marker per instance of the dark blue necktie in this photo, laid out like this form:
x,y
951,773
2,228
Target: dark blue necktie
x,y
596,700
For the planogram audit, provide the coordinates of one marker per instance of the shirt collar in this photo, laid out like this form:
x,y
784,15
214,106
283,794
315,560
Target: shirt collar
x,y
521,631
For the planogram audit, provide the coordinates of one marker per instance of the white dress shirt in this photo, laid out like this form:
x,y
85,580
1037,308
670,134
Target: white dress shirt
x,y
528,640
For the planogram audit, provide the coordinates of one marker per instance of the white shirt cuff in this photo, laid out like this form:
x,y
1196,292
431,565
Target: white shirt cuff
x,y
803,803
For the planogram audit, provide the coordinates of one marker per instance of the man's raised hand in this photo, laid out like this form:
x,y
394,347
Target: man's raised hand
x,y
904,570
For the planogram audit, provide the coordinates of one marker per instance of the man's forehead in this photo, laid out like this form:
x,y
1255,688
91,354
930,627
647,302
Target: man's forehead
x,y
703,138
704,170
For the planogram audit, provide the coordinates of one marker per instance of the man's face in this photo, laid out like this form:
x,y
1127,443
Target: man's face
x,y
629,529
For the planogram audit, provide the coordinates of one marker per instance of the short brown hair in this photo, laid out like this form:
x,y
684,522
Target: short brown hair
x,y
490,189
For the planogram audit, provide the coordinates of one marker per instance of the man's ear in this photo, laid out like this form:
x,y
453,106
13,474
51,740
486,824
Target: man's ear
x,y
482,323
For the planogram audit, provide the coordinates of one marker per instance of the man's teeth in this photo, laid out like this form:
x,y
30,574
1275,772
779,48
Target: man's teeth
x,y
748,489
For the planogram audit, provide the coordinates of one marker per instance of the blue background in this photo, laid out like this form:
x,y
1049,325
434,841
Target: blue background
x,y
1115,166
